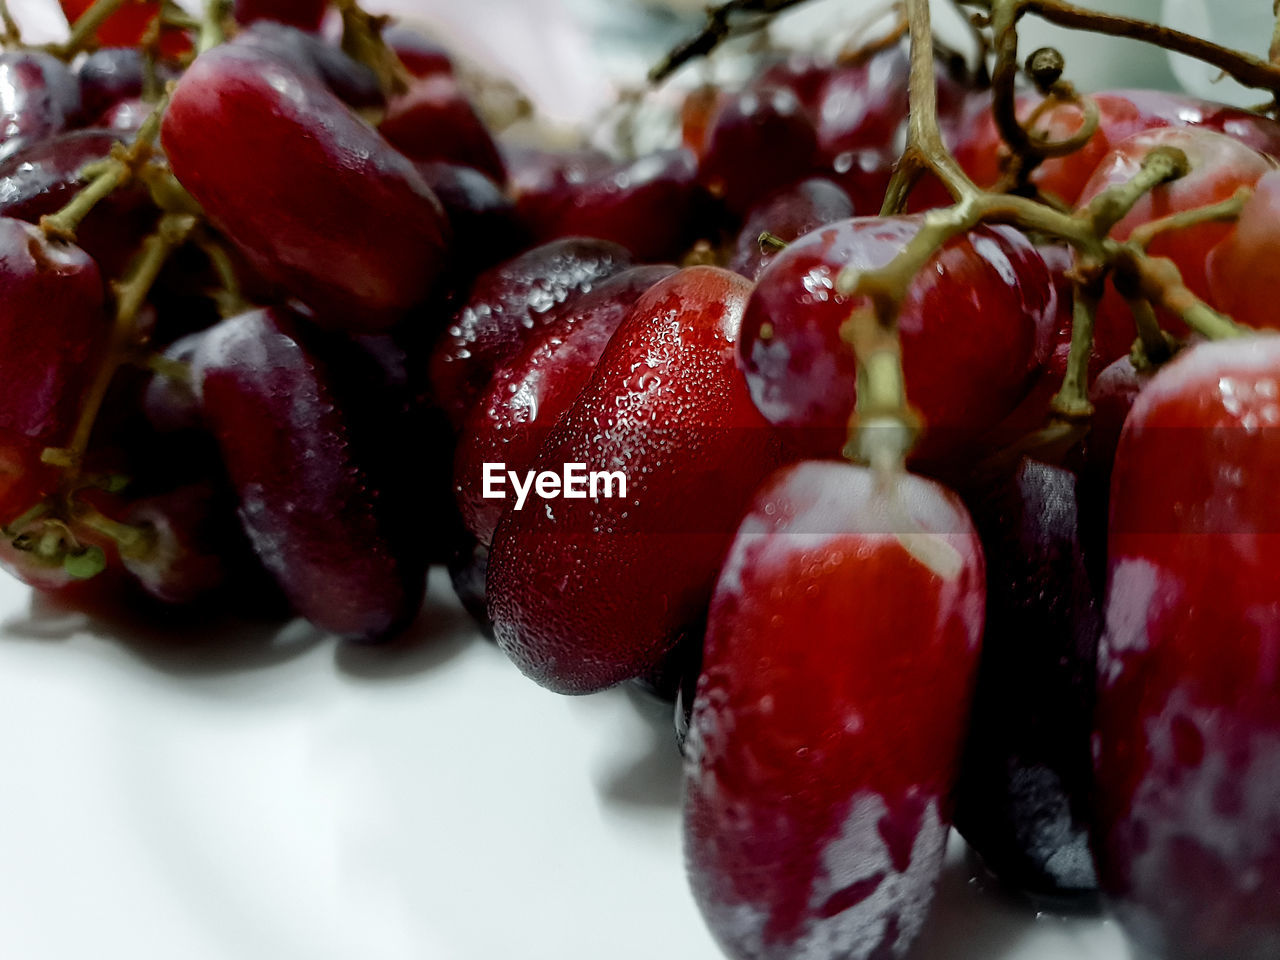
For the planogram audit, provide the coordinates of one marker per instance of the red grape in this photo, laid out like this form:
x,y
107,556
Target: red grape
x,y
482,218
862,106
307,446
527,396
1219,167
433,120
39,97
507,302
830,714
788,214
1187,730
987,287
127,26
303,14
759,141
185,557
420,55
353,82
1239,267
318,202
649,205
110,75
586,593
543,180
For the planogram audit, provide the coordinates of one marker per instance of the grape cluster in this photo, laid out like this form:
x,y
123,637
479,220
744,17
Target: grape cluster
x,y
270,308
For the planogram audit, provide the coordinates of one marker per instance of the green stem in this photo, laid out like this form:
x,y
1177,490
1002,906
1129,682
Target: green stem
x,y
1225,212
1160,165
1151,339
1072,400
1159,281
212,31
62,225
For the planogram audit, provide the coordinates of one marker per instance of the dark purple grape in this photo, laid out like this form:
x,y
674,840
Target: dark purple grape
x,y
307,440
112,74
486,229
351,81
39,96
507,303
1022,800
788,214
183,556
433,120
468,567
169,402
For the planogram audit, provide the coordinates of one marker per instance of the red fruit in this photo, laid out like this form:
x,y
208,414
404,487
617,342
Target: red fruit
x,y
186,555
433,120
110,75
318,202
1187,730
984,288
39,97
760,140
697,113
303,14
1239,268
862,106
527,396
507,303
830,713
129,24
586,593
482,218
649,205
1219,167
420,55
41,178
353,82
307,440
790,213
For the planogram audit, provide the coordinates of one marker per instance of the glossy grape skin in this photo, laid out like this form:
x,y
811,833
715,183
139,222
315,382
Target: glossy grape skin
x,y
420,55
169,403
574,584
353,82
109,75
1121,114
1022,799
507,302
760,140
39,97
184,560
303,14
41,178
542,180
1187,730
861,106
307,454
339,218
127,26
482,219
802,375
830,712
433,120
650,205
527,396
788,214
1220,166
1239,268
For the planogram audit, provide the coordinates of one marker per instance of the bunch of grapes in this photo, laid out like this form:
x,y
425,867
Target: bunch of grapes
x,y
944,474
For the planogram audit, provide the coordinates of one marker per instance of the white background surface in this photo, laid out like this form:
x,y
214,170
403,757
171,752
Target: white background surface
x,y
225,793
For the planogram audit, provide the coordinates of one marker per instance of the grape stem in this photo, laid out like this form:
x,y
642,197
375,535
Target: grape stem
x,y
12,36
1225,212
105,177
212,24
723,22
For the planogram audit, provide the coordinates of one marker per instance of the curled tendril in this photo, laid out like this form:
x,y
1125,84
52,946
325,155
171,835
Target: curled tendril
x,y
1043,147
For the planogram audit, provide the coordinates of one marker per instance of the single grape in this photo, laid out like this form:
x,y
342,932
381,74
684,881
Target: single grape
x,y
433,120
1237,266
788,214
1187,727
420,55
316,200
651,206
862,106
527,396
184,553
1022,799
1220,166
574,584
483,219
112,74
760,140
308,439
507,303
542,180
169,401
829,719
353,82
303,14
39,96
987,287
